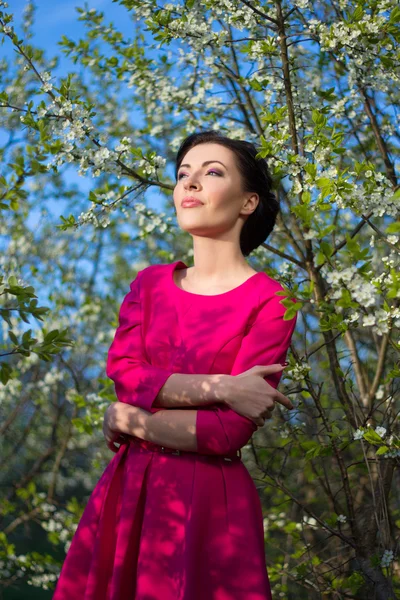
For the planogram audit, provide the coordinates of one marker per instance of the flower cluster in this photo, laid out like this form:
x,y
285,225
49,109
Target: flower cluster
x,y
42,580
364,291
288,429
33,567
298,371
378,199
392,453
278,520
359,433
70,123
389,448
387,558
350,42
284,432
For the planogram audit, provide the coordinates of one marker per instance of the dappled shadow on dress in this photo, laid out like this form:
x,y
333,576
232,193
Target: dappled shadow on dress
x,y
190,526
162,527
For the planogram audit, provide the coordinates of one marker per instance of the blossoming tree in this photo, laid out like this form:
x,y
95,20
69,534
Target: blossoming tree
x,y
316,87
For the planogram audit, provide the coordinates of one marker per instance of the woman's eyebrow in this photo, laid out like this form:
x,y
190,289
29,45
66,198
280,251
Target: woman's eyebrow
x,y
207,162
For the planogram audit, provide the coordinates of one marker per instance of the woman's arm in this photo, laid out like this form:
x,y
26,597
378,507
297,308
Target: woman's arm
x,y
170,428
218,429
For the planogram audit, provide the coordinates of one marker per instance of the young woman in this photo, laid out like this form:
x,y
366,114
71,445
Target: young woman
x,y
176,514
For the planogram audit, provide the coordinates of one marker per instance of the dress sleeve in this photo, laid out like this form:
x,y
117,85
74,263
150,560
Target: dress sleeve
x,y
136,381
221,430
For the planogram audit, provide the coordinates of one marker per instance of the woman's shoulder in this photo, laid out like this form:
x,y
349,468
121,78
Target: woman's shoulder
x,y
150,274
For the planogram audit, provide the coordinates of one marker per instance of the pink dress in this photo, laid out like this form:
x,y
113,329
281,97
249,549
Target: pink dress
x,y
164,526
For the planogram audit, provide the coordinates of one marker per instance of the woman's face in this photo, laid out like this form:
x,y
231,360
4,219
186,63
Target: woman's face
x,y
217,185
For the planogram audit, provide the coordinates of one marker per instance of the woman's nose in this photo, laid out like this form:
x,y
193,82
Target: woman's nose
x,y
189,183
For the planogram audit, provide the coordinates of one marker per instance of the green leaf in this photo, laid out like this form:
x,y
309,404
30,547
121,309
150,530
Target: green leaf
x,y
291,312
326,249
357,14
395,15
327,94
303,212
5,373
255,85
393,228
13,337
318,118
311,169
372,437
52,335
314,450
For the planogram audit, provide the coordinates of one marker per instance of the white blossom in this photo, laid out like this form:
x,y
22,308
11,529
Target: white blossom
x,y
368,320
309,235
381,431
358,434
387,558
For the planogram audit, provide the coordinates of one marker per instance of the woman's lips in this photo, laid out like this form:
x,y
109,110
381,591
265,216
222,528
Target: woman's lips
x,y
190,203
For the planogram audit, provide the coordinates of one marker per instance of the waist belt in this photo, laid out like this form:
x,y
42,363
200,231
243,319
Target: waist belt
x,y
146,445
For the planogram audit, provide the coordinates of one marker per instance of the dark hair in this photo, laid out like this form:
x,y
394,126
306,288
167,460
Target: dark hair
x,y
255,177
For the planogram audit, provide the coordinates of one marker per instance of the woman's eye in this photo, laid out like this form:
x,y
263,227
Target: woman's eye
x,y
215,172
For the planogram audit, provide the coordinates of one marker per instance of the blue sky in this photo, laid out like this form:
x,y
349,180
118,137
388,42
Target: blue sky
x,y
54,19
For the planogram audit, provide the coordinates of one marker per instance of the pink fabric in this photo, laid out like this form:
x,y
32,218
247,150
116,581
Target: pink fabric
x,y
180,527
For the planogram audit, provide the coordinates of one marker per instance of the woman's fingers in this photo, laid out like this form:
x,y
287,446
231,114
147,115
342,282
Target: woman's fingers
x,y
112,447
283,400
260,422
114,437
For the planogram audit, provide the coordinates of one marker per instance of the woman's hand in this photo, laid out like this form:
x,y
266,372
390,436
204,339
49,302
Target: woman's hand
x,y
110,426
251,396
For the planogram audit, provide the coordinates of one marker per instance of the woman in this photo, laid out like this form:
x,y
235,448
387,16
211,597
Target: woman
x,y
176,515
